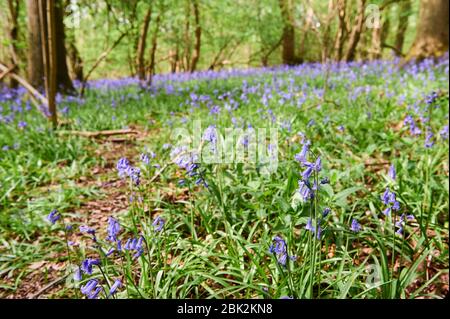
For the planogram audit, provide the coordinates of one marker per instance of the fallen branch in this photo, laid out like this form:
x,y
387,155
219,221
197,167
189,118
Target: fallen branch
x,y
53,283
99,133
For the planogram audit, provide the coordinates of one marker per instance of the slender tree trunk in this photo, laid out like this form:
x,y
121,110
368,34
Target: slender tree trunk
x,y
53,63
198,35
35,59
140,61
342,30
153,50
379,36
75,60
48,45
12,31
306,27
404,12
432,30
356,32
63,81
288,45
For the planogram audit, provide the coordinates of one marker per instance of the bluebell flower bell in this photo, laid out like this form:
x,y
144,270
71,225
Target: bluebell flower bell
x,y
158,223
355,226
117,284
54,216
279,248
392,174
113,229
88,263
88,289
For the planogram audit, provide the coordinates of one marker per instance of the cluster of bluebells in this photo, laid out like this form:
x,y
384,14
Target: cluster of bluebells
x,y
188,160
134,245
210,135
305,187
126,169
92,288
389,199
279,249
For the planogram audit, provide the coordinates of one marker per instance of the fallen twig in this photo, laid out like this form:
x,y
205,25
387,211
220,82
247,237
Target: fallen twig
x,y
99,133
53,283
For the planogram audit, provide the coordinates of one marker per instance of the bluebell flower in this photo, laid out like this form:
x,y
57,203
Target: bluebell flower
x,y
392,174
88,289
122,166
279,248
54,216
113,229
87,230
318,231
87,264
135,245
309,225
304,190
444,132
117,284
145,159
307,173
77,276
158,223
22,124
429,139
325,212
355,226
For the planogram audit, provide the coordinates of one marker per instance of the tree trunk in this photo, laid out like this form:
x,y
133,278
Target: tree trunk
x,y
63,81
342,30
288,43
432,30
35,59
404,12
140,61
153,51
356,32
13,32
75,60
76,63
37,30
379,36
198,35
48,46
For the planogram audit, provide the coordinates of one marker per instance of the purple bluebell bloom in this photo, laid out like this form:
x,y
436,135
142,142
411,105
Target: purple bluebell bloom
x,y
158,223
54,216
113,229
279,248
88,289
392,173
117,284
355,226
86,265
